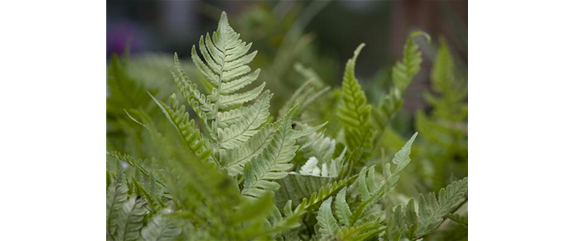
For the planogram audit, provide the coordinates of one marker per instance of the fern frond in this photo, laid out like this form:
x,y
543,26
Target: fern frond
x,y
124,91
296,187
116,197
323,193
160,228
401,160
404,72
234,160
442,75
228,101
226,66
320,147
371,192
240,132
342,210
130,220
354,112
406,221
431,210
328,225
272,163
402,75
366,183
186,127
201,105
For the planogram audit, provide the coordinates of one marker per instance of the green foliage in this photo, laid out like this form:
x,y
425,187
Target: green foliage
x,y
273,163
232,164
444,132
431,212
402,75
355,112
355,222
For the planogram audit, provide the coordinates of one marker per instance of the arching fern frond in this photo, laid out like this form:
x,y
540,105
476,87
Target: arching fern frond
x,y
404,71
354,112
402,75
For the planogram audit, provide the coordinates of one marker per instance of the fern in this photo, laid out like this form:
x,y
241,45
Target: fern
x,y
160,229
238,133
406,221
444,131
116,197
130,220
230,169
354,111
354,222
273,163
342,209
327,223
432,209
403,73
186,127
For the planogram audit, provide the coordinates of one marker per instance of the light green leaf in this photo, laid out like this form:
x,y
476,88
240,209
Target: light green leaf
x,y
327,223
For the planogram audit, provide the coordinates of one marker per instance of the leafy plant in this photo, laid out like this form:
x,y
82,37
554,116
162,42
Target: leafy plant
x,y
445,130
223,167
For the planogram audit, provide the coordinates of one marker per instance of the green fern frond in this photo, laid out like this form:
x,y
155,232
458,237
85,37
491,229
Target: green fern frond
x,y
431,210
295,187
160,228
116,197
272,163
124,91
442,75
405,221
241,131
366,183
404,72
371,192
130,220
323,193
402,75
235,160
186,127
201,105
328,225
401,160
354,111
227,58
320,147
342,210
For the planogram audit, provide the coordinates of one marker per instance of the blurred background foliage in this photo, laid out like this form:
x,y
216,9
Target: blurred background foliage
x,y
302,48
